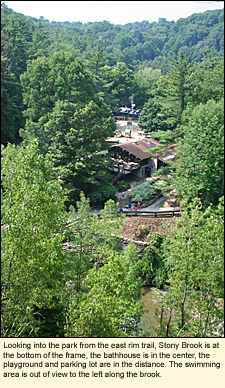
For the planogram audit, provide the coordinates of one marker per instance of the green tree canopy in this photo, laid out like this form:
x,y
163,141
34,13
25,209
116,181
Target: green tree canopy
x,y
149,120
105,287
207,80
117,85
194,256
11,106
67,117
200,161
178,90
143,83
34,269
16,37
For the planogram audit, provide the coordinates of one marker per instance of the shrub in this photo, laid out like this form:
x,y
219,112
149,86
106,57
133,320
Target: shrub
x,y
121,185
146,191
104,192
153,267
142,231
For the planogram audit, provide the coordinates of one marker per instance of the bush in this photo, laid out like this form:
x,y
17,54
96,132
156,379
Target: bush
x,y
142,231
153,267
103,193
121,185
146,191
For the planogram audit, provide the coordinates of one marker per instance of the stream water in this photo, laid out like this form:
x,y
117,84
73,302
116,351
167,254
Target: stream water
x,y
149,320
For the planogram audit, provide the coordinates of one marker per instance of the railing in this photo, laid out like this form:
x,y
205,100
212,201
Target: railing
x,y
149,213
115,178
152,213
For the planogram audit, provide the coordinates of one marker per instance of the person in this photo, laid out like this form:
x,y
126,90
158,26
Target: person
x,y
120,210
135,206
129,205
123,195
139,205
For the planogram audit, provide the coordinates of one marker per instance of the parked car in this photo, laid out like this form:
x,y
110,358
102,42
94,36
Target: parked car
x,y
125,110
137,112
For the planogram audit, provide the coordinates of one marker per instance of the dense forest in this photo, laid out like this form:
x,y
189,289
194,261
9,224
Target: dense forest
x,y
147,49
60,83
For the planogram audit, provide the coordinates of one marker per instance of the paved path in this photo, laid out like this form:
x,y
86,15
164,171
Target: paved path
x,y
152,207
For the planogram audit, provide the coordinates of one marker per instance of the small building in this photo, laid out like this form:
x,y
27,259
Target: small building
x,y
130,157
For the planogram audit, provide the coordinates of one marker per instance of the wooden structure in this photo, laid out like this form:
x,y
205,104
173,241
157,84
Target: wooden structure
x,y
153,213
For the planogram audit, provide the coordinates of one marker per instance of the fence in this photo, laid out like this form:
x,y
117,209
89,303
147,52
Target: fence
x,y
151,213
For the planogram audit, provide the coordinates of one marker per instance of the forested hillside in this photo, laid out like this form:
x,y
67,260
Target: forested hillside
x,y
137,44
60,83
145,48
